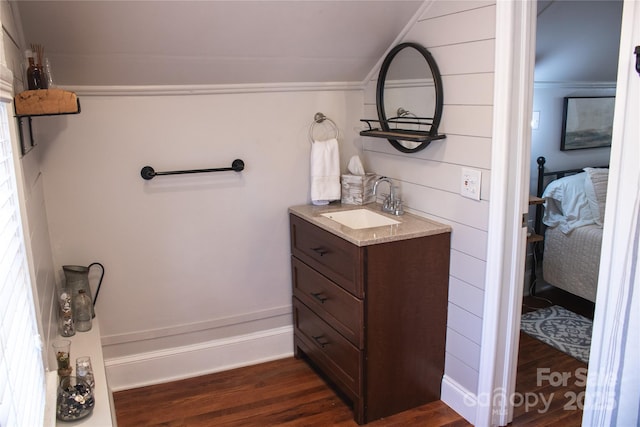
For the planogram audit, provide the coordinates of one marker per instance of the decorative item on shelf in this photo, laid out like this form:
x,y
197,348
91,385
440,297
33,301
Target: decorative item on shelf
x,y
75,399
84,370
82,307
77,278
34,73
38,51
62,350
66,326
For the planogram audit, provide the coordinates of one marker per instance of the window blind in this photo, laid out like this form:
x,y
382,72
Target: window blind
x,y
22,375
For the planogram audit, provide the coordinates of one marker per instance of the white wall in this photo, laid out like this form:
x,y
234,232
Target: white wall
x,y
31,188
430,179
194,258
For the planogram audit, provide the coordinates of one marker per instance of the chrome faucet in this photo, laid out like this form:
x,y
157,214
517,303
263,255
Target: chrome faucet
x,y
392,203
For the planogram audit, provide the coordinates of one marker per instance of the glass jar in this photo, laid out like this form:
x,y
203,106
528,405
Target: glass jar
x,y
66,326
84,370
82,306
62,351
75,399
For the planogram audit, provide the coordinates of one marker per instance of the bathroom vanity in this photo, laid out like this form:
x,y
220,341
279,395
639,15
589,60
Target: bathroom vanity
x,y
370,306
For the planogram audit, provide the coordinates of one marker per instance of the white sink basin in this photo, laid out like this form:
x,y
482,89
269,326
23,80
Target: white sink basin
x,y
360,218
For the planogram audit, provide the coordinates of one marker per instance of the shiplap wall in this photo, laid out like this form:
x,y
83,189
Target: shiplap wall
x,y
30,182
430,179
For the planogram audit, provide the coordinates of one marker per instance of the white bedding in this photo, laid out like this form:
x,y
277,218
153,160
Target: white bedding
x,y
566,204
571,261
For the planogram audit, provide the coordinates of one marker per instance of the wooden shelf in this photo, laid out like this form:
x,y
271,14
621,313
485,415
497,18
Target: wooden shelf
x,y
38,103
401,134
46,102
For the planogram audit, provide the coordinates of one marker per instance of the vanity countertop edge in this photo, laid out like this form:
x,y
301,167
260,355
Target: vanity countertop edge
x,y
410,226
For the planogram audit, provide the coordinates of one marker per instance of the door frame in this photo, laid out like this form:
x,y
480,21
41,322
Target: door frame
x,y
617,306
510,175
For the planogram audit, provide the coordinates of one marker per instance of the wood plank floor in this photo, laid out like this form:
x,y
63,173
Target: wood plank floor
x,y
288,392
549,392
283,392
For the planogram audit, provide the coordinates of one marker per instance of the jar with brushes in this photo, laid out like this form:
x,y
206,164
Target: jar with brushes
x,y
34,73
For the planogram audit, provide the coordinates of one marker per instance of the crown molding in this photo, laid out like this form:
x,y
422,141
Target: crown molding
x,y
213,89
573,85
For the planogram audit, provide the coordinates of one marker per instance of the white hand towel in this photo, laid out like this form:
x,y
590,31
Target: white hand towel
x,y
325,171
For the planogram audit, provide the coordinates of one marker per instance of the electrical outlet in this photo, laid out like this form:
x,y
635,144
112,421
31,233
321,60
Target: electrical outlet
x,y
470,183
535,120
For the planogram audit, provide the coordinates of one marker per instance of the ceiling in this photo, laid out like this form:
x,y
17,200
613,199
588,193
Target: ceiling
x,y
578,41
168,42
219,42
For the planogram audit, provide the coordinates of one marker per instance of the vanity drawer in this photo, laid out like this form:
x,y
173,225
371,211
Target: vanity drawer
x,y
328,347
336,306
332,256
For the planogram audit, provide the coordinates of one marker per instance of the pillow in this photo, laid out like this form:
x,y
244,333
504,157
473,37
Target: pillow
x,y
595,188
566,204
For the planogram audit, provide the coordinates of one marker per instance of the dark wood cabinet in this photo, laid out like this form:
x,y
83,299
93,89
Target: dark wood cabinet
x,y
372,318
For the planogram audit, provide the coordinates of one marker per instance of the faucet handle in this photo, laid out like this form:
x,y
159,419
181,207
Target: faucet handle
x,y
397,207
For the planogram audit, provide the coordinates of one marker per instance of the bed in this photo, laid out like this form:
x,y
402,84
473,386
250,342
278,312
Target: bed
x,y
571,220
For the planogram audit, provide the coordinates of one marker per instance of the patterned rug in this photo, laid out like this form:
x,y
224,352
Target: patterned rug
x,y
561,329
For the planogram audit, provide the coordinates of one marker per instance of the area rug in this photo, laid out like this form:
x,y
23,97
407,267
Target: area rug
x,y
561,329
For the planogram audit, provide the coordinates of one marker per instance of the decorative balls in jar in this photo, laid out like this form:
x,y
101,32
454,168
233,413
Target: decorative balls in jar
x,y
75,399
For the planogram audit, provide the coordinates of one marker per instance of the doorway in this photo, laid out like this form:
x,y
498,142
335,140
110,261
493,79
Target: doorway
x,y
514,56
572,267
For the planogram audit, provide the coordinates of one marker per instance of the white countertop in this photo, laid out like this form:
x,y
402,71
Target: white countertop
x,y
103,415
410,226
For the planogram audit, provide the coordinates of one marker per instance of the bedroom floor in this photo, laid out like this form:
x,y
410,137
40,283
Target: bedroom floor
x,y
547,295
562,405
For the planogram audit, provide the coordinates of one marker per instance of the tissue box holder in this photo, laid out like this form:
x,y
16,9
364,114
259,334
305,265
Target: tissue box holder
x,y
358,189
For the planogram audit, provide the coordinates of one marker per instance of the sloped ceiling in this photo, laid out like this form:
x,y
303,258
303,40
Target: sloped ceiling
x,y
184,42
578,41
164,42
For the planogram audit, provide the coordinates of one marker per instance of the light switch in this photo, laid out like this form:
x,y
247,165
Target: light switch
x,y
470,183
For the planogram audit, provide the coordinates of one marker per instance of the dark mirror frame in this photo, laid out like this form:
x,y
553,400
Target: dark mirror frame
x,y
437,82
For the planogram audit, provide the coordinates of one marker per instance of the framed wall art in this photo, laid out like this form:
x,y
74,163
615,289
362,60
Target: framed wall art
x,y
587,122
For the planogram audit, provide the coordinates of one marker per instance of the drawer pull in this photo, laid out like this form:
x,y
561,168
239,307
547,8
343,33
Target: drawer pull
x,y
320,251
322,341
319,297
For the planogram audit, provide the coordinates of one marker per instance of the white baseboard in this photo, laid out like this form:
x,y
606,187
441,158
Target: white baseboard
x,y
459,399
200,359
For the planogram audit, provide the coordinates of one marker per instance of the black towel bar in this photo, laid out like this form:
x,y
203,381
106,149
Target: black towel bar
x,y
148,173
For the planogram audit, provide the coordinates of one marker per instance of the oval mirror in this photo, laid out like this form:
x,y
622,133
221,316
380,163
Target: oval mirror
x,y
409,97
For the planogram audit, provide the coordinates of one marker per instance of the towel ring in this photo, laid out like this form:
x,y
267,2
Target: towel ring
x,y
319,118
